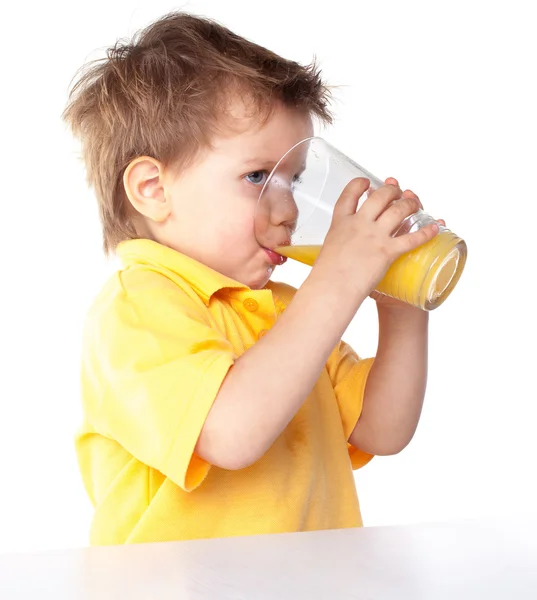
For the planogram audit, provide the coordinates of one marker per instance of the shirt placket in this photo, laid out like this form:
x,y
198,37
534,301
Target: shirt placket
x,y
259,310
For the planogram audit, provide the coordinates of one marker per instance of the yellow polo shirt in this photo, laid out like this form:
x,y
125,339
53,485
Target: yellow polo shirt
x,y
158,342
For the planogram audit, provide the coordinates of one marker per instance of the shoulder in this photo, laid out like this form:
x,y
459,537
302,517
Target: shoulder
x,y
137,296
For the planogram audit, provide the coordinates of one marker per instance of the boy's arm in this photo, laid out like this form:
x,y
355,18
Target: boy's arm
x,y
395,388
267,385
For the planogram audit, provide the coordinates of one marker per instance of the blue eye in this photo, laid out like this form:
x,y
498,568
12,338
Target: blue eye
x,y
260,178
257,177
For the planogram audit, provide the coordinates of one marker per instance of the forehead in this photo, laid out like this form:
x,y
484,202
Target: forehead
x,y
250,137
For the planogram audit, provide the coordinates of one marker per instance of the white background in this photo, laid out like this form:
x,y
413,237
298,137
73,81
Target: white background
x,y
440,95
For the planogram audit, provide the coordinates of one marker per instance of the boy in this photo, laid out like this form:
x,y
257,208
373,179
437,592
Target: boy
x,y
217,403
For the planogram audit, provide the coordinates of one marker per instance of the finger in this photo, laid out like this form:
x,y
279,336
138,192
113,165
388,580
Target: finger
x,y
441,222
396,213
411,194
348,201
391,181
411,241
379,200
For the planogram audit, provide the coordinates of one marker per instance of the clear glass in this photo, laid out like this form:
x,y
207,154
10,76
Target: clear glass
x,y
298,199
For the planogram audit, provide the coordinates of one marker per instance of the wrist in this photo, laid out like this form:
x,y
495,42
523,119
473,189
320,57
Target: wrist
x,y
335,283
333,298
400,310
402,318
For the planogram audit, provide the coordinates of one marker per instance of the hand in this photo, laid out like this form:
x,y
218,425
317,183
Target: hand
x,y
360,246
386,301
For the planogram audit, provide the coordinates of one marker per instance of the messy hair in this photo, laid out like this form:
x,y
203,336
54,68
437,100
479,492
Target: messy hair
x,y
162,94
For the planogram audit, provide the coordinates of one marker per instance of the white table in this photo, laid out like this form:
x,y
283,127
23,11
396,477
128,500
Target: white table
x,y
455,561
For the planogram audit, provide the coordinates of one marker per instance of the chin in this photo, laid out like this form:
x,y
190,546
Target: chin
x,y
260,282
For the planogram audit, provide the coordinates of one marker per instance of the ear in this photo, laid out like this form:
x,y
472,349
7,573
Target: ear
x,y
144,186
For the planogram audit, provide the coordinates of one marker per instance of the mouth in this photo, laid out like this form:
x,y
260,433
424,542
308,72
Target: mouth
x,y
274,257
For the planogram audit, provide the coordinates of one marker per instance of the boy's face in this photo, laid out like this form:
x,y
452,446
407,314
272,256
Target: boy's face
x,y
213,201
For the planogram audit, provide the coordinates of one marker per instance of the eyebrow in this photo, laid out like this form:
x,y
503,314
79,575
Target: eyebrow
x,y
261,162
268,164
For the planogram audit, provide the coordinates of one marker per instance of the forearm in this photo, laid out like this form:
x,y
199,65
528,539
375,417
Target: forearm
x,y
396,385
267,385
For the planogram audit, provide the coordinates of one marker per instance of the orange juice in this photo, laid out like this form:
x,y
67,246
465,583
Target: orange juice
x,y
423,277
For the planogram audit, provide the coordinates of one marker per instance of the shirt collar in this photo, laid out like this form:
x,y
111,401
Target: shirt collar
x,y
204,280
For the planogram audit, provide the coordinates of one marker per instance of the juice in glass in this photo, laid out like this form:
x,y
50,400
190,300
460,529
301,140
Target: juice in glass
x,y
424,277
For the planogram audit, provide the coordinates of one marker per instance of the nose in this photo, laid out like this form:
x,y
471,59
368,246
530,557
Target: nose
x,y
283,216
284,210
276,216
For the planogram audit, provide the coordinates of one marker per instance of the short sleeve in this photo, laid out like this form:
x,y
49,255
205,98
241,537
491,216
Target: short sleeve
x,y
348,373
153,366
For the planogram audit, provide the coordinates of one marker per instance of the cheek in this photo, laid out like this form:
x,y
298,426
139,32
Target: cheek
x,y
237,229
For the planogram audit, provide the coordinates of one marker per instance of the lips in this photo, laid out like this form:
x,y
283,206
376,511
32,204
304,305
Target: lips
x,y
274,257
